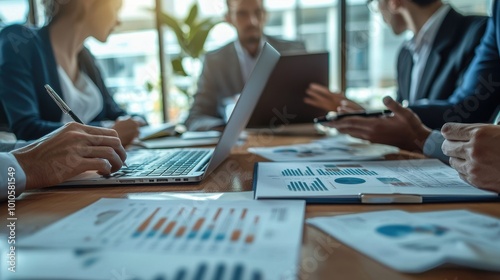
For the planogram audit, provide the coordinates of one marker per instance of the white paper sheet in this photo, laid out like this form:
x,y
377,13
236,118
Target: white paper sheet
x,y
415,243
261,236
351,179
340,148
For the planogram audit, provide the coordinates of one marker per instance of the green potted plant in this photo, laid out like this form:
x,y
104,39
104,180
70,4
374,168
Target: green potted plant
x,y
191,33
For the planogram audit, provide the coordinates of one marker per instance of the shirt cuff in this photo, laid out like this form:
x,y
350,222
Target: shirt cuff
x,y
10,168
432,146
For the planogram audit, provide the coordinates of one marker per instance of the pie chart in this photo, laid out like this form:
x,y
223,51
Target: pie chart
x,y
350,181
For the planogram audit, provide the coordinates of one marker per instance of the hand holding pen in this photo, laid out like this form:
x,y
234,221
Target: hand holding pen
x,y
64,107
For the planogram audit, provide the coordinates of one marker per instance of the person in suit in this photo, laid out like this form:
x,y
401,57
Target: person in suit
x,y
61,155
471,148
226,70
431,65
55,55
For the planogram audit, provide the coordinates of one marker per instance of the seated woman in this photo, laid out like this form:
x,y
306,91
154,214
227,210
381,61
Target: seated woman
x,y
55,55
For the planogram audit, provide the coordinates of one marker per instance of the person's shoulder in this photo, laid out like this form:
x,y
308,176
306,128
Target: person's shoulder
x,y
285,45
17,38
467,19
224,50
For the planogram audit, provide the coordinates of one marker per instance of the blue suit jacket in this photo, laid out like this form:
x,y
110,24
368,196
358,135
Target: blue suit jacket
x,y
27,63
450,56
478,97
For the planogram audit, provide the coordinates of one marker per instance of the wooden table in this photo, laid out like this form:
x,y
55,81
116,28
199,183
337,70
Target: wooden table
x,y
323,257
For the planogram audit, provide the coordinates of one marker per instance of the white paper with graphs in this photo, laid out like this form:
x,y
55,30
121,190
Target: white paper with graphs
x,y
213,239
338,181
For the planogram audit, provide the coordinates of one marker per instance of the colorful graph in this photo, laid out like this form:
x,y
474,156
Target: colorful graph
x,y
316,186
194,228
297,172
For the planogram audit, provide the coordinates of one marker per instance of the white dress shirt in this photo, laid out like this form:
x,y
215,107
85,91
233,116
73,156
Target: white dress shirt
x,y
84,97
421,45
7,160
247,62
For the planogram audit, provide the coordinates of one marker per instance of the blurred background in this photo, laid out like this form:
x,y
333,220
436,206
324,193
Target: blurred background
x,y
363,50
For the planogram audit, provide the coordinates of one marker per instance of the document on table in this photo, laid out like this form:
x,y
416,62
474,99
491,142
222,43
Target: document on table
x,y
263,236
340,148
351,181
418,242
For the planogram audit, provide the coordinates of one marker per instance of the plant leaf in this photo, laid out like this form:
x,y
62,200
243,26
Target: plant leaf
x,y
178,68
193,14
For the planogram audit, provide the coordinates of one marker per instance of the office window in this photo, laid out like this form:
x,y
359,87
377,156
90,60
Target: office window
x,y
13,11
372,50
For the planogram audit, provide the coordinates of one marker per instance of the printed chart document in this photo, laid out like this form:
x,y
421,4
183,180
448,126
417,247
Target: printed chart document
x,y
259,238
413,181
418,242
337,148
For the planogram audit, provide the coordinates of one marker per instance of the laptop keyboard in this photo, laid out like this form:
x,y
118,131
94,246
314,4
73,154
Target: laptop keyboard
x,y
177,164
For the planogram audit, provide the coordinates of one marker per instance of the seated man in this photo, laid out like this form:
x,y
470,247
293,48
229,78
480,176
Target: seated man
x,y
226,70
63,154
431,65
473,148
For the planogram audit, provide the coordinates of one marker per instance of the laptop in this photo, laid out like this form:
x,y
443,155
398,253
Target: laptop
x,y
282,102
190,165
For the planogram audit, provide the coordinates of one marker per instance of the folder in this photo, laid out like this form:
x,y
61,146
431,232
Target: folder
x,y
369,182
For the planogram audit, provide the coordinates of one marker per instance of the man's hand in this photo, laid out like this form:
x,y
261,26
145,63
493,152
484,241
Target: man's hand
x,y
474,151
69,151
320,97
404,129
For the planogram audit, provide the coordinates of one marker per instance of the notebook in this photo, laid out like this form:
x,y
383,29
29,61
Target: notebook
x,y
188,165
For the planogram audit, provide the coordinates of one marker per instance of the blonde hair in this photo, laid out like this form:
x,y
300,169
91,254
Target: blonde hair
x,y
52,8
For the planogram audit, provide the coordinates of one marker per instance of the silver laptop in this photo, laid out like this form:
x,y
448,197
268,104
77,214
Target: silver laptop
x,y
190,164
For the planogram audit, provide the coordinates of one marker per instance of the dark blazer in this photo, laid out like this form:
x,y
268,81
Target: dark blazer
x,y
451,53
477,98
221,77
27,63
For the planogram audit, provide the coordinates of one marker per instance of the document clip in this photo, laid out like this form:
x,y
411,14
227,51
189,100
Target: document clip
x,y
390,198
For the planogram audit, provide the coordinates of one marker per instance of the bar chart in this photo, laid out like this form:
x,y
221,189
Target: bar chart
x,y
179,239
304,186
298,172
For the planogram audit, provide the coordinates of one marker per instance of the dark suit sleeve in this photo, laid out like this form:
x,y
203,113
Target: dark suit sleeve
x,y
478,96
17,87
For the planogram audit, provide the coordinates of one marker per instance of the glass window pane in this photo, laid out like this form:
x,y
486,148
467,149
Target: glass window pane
x,y
13,11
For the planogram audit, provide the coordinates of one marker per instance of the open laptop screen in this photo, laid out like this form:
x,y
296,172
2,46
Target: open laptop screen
x,y
282,101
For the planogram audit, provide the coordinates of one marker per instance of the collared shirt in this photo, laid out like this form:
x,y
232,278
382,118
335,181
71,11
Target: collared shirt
x,y
421,45
247,62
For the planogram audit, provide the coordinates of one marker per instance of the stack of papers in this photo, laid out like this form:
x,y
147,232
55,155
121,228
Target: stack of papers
x,y
168,240
335,148
415,243
402,181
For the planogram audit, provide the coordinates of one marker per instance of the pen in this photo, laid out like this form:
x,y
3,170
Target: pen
x,y
64,107
333,116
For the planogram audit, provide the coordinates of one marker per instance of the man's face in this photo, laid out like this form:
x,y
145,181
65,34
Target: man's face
x,y
249,18
394,20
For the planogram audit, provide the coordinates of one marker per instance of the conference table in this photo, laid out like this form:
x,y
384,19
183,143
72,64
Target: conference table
x,y
323,257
